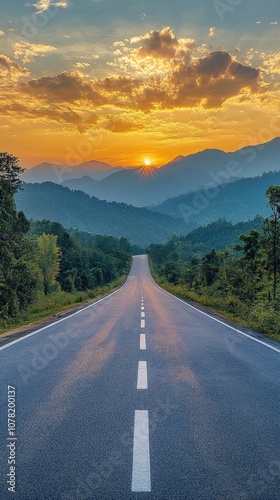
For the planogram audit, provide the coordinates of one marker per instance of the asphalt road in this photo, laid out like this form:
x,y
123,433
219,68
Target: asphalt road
x,y
140,396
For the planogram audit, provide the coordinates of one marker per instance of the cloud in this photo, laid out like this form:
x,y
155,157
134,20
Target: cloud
x,y
11,69
212,31
27,51
64,87
273,23
154,72
2,33
44,5
271,63
162,44
81,65
118,85
121,126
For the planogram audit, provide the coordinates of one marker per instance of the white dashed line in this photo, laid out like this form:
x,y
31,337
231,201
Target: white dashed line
x,y
141,469
143,314
142,308
143,346
143,323
142,379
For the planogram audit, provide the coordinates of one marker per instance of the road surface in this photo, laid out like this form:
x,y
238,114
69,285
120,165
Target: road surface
x,y
140,396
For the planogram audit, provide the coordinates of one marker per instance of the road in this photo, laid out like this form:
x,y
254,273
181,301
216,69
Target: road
x,y
140,396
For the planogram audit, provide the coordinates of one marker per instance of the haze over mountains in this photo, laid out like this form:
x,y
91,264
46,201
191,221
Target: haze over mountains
x,y
78,211
236,201
147,186
51,172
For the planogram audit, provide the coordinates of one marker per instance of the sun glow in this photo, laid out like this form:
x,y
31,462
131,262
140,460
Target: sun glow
x,y
147,162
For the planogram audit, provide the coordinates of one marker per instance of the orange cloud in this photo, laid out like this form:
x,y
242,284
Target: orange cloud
x,y
11,69
64,87
27,51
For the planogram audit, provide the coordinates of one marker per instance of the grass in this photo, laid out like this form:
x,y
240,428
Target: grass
x,y
57,302
260,317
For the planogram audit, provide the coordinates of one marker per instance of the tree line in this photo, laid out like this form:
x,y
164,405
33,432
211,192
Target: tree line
x,y
242,280
40,258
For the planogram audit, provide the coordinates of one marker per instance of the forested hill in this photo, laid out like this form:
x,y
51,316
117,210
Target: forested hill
x,y
236,201
74,209
219,235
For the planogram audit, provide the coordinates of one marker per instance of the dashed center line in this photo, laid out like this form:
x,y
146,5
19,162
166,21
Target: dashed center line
x,y
143,323
143,314
141,469
143,346
142,308
142,379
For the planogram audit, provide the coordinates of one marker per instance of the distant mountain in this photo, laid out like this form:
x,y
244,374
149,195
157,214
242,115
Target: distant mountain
x,y
86,184
236,201
142,186
146,186
51,172
75,209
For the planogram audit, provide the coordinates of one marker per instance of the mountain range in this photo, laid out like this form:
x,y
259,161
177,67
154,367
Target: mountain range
x,y
52,172
145,186
76,210
236,201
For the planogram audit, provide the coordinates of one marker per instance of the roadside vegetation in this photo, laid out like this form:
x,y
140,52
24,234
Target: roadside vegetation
x,y
241,282
43,267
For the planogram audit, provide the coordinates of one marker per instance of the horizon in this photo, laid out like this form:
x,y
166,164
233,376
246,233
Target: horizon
x,y
129,82
149,165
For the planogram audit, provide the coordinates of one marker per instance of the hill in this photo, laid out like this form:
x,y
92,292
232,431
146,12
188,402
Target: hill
x,y
146,186
75,209
236,201
51,172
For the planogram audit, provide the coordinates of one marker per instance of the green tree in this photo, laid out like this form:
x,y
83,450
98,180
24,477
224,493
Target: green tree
x,y
251,260
19,276
49,260
10,173
273,231
210,265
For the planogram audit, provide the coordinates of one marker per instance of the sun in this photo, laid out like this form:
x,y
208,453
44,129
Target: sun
x,y
147,162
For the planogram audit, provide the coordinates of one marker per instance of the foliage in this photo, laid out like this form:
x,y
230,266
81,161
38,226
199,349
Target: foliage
x,y
19,274
75,209
49,260
44,258
241,281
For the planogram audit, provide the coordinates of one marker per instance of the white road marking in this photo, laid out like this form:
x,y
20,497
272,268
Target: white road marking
x,y
142,308
142,379
143,346
143,323
219,321
143,315
64,319
141,469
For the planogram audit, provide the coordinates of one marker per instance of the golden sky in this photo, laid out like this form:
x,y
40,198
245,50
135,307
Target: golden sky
x,y
84,80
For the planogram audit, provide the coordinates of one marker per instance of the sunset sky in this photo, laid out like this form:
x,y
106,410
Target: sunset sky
x,y
122,81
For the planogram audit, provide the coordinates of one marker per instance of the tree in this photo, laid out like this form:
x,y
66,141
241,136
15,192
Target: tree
x,y
251,259
49,259
273,230
18,273
210,265
10,173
